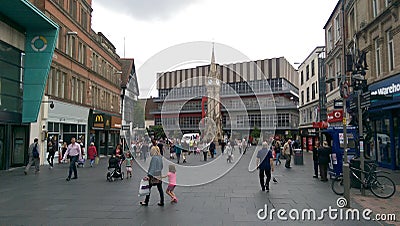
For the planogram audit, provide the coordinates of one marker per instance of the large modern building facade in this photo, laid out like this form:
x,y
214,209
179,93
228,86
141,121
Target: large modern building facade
x,y
260,94
27,41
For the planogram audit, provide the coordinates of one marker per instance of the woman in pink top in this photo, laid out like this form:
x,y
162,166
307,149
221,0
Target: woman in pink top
x,y
171,183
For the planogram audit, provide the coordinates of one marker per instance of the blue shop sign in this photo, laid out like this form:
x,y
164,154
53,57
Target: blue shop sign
x,y
385,92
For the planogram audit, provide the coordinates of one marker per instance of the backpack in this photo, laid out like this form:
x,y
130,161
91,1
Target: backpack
x,y
35,152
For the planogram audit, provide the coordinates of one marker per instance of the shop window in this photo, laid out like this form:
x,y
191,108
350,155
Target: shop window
x,y
382,129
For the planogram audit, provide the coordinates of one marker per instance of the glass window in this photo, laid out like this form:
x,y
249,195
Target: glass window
x,y
390,50
10,78
337,28
383,140
377,57
375,8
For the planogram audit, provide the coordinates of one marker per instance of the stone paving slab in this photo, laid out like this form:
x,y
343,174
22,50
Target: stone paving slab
x,y
234,199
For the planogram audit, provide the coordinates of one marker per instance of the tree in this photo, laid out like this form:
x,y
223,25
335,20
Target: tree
x,y
138,115
157,131
256,133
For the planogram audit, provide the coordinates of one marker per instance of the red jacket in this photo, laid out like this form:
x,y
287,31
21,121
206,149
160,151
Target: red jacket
x,y
92,152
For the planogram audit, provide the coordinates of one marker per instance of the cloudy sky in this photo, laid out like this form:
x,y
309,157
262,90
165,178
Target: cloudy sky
x,y
258,29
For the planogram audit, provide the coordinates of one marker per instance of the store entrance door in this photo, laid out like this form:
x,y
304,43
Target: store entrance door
x,y
19,145
396,135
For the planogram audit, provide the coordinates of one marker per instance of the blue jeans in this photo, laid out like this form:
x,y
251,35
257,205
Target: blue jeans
x,y
72,166
278,156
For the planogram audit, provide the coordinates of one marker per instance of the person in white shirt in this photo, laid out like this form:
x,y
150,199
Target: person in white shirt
x,y
74,152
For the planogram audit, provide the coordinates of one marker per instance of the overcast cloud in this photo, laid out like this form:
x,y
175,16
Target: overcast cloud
x,y
147,9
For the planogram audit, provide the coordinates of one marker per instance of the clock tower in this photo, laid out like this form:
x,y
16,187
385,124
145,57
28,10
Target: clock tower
x,y
214,122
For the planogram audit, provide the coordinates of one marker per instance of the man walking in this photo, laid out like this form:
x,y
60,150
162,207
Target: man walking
x,y
265,164
315,158
52,147
288,151
323,160
75,153
33,153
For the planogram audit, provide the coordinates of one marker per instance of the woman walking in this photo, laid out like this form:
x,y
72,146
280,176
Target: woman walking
x,y
92,153
154,174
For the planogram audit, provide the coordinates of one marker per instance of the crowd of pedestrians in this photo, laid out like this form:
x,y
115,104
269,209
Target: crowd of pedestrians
x,y
269,156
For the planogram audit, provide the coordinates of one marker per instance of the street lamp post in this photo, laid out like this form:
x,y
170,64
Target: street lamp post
x,y
346,166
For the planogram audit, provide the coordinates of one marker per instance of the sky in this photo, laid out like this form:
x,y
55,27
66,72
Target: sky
x,y
158,32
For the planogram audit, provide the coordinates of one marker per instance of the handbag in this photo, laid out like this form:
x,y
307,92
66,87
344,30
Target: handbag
x,y
96,160
144,187
154,180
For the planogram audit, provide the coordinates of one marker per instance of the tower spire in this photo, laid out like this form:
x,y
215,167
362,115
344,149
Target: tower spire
x,y
213,66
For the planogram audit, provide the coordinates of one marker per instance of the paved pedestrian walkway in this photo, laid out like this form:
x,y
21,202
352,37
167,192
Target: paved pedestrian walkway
x,y
233,199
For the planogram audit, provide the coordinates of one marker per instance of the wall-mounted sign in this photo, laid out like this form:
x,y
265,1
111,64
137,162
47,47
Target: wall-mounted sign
x,y
386,91
98,120
116,122
335,116
338,104
39,43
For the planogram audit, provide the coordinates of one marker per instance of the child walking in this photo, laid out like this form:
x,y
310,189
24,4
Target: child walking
x,y
171,183
128,161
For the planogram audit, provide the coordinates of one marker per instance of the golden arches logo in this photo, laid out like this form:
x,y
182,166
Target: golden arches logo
x,y
99,118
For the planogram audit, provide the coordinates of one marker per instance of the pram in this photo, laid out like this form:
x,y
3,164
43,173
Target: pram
x,y
114,169
81,162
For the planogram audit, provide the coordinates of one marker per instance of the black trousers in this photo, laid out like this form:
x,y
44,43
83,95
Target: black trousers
x,y
267,173
316,168
160,190
288,159
323,169
205,155
50,158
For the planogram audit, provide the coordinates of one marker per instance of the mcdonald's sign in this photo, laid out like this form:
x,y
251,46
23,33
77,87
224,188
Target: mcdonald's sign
x,y
98,120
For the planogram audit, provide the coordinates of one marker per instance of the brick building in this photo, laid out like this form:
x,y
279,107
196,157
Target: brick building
x,y
84,82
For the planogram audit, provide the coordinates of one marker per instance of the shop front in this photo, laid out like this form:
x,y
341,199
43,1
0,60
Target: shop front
x,y
384,115
105,131
66,121
308,136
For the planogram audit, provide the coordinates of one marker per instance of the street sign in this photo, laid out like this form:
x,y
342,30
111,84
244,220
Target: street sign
x,y
126,127
354,103
338,104
365,99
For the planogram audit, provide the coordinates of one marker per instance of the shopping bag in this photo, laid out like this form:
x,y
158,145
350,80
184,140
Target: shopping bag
x,y
144,188
96,160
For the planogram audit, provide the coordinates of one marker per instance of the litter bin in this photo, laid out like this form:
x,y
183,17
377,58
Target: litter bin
x,y
355,162
298,156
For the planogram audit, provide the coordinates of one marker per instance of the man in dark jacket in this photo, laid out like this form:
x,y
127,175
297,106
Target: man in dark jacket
x,y
315,158
323,160
52,147
212,149
265,165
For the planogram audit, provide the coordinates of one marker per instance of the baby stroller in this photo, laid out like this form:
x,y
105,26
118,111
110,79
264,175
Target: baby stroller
x,y
81,162
114,169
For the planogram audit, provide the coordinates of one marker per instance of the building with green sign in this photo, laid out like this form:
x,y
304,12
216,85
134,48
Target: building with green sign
x,y
27,42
